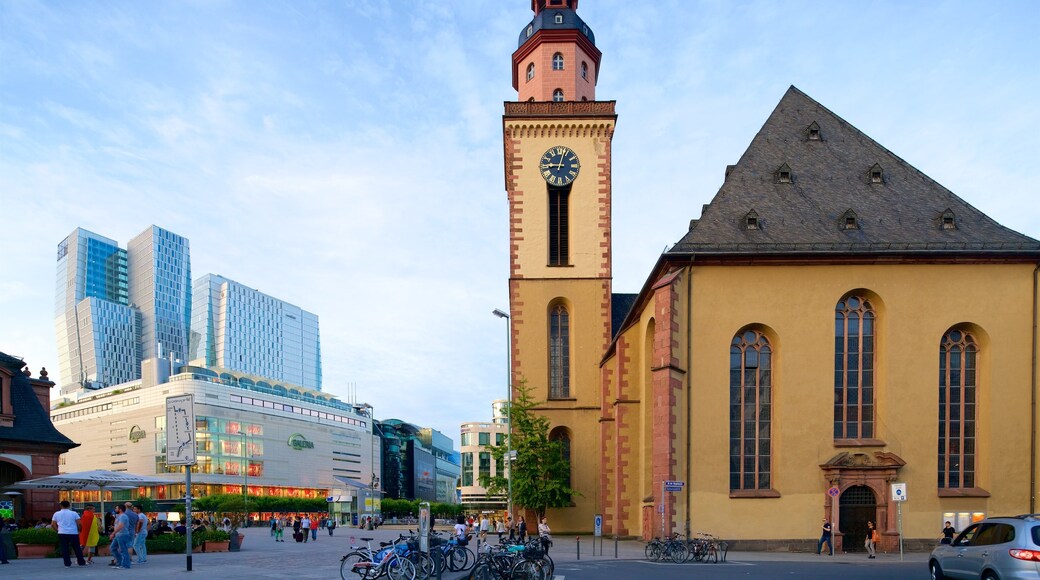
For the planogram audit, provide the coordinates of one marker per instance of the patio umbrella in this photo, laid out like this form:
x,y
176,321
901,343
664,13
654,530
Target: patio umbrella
x,y
99,479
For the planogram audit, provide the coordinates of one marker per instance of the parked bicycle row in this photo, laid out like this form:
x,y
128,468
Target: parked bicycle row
x,y
679,549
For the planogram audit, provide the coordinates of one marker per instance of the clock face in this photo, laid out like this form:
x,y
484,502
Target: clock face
x,y
559,166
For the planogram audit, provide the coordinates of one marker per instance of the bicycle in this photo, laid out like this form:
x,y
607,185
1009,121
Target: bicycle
x,y
366,564
513,561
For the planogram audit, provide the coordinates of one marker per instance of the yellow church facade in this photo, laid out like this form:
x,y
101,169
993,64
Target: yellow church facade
x,y
834,327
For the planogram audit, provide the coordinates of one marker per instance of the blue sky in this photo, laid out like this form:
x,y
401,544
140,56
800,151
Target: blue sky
x,y
347,156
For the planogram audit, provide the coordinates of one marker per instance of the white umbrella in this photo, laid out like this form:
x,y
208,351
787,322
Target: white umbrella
x,y
99,479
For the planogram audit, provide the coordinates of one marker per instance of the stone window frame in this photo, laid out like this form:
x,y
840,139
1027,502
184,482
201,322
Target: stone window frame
x,y
751,351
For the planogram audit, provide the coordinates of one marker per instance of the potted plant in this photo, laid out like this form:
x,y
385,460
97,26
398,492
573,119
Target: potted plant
x,y
35,542
104,547
215,541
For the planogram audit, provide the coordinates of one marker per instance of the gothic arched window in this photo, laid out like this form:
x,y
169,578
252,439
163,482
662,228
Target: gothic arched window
x,y
559,353
530,71
558,95
854,321
958,356
750,412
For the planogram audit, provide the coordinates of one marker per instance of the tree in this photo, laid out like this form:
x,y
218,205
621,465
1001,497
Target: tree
x,y
540,472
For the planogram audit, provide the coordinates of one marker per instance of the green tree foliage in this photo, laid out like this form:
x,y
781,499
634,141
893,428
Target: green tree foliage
x,y
540,472
232,502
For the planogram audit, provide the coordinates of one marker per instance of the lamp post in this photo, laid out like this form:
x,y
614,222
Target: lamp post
x,y
509,411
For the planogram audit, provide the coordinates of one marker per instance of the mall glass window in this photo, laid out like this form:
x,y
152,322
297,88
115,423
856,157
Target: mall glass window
x,y
484,438
467,469
750,412
466,440
485,466
958,357
854,322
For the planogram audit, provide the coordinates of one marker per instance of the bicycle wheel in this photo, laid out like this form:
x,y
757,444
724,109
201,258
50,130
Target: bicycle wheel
x,y
424,566
349,568
649,550
456,559
549,566
439,561
527,570
712,555
398,568
482,570
677,552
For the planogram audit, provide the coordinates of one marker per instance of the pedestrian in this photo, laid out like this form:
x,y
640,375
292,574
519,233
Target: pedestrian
x,y
521,529
314,529
545,534
296,525
121,539
132,519
484,525
500,528
66,522
512,528
460,531
947,534
305,527
274,526
825,538
331,526
89,533
141,536
279,529
871,542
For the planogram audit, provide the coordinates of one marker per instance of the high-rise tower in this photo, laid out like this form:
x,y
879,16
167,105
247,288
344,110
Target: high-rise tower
x,y
159,263
557,142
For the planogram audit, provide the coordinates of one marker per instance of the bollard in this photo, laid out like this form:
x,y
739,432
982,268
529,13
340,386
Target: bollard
x,y
577,540
615,546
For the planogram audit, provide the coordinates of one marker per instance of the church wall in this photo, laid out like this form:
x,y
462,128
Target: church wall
x,y
917,304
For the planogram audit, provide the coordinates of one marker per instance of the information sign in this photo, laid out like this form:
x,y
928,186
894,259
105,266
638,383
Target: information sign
x,y
898,492
180,430
599,525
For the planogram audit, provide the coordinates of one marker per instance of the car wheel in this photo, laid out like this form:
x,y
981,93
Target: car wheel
x,y
990,575
936,570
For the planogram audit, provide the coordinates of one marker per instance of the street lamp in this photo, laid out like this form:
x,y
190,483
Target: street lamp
x,y
509,411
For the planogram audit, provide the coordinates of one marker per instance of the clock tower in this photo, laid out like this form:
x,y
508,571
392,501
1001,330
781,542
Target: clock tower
x,y
557,146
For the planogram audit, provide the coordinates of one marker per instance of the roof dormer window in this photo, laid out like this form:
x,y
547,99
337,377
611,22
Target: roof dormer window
x,y
783,174
812,133
849,221
559,18
947,220
751,221
877,175
530,30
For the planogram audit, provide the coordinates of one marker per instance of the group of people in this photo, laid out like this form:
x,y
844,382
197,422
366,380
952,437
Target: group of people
x,y
79,534
464,527
873,537
304,527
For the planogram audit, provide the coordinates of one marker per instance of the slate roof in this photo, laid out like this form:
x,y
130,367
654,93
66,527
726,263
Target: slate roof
x,y
620,305
829,177
32,423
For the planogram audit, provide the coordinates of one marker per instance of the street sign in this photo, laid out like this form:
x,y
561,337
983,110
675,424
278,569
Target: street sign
x,y
599,525
833,491
898,492
675,483
180,430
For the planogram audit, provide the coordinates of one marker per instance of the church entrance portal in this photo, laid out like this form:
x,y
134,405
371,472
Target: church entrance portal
x,y
856,507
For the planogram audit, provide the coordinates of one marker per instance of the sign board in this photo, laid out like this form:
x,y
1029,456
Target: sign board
x,y
180,430
599,525
424,526
898,492
833,491
674,485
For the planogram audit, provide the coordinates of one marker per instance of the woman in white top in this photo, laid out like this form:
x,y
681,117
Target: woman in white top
x,y
460,529
545,534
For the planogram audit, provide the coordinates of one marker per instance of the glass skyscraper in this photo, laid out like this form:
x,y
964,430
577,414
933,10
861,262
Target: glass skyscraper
x,y
241,329
114,306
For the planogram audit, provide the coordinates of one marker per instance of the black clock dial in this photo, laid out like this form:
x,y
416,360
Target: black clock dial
x,y
559,166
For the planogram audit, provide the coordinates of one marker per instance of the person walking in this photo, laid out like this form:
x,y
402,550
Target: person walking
x,y
871,542
132,519
948,532
484,525
66,522
89,533
500,528
545,534
331,526
314,529
825,538
279,529
141,535
121,539
305,528
521,529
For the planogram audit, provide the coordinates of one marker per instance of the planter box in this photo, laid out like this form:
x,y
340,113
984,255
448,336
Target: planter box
x,y
35,550
208,546
105,550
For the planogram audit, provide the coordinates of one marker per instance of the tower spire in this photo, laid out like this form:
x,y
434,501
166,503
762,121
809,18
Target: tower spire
x,y
556,58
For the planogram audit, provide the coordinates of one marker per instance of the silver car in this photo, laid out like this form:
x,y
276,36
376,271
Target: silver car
x,y
999,548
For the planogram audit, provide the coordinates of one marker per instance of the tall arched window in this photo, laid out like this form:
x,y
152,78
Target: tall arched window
x,y
958,355
530,71
585,70
559,353
557,61
750,412
558,95
854,320
559,226
563,435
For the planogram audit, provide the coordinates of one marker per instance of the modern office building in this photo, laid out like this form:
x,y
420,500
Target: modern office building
x,y
95,326
115,307
273,438
241,329
477,460
446,461
159,266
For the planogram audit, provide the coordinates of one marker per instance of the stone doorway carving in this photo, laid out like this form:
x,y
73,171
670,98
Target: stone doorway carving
x,y
875,471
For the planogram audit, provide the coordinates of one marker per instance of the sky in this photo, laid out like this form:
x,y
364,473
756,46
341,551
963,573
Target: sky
x,y
346,156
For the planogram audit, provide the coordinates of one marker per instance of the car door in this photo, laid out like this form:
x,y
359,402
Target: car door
x,y
955,563
981,549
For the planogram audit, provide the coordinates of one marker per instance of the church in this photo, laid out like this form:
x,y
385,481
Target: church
x,y
836,335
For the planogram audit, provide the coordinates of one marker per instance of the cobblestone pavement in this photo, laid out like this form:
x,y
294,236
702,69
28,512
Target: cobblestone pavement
x,y
262,557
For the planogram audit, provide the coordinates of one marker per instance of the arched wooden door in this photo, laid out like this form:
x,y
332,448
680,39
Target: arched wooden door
x,y
857,506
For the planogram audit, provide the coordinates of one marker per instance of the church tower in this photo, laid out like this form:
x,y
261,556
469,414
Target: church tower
x,y
557,152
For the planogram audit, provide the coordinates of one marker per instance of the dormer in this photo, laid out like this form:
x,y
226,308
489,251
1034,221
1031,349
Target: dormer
x,y
812,132
875,174
947,221
849,221
751,221
783,174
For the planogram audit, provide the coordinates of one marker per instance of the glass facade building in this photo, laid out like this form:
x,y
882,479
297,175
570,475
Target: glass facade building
x,y
159,265
238,328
